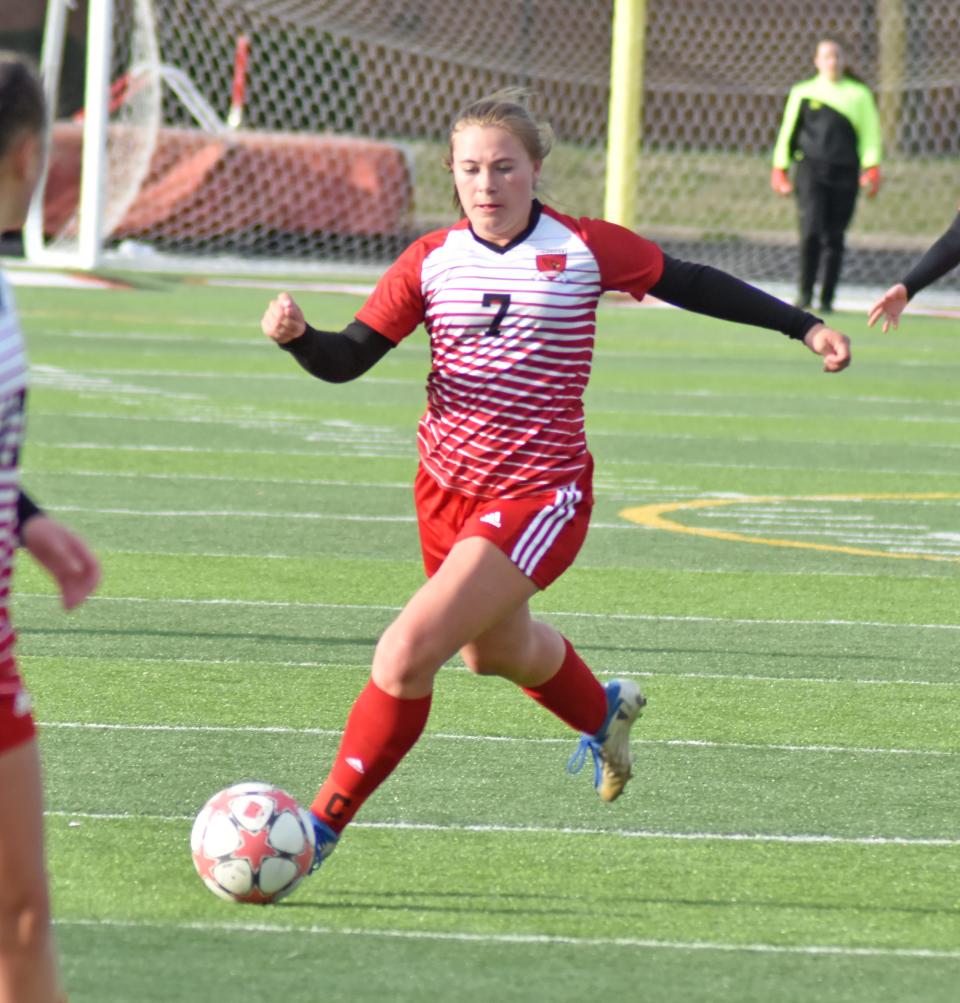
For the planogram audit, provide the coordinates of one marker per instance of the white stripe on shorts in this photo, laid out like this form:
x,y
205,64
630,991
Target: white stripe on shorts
x,y
540,535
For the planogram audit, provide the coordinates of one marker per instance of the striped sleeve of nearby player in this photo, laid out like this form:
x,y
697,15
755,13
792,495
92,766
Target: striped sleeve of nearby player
x,y
12,384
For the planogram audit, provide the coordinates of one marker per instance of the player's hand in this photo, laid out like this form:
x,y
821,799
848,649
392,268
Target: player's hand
x,y
890,305
283,320
780,182
832,345
870,181
65,556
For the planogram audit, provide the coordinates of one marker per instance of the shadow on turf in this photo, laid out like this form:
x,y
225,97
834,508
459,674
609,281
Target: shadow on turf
x,y
633,906
194,635
806,656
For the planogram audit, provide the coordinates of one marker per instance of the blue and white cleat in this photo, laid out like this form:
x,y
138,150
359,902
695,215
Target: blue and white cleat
x,y
610,746
326,842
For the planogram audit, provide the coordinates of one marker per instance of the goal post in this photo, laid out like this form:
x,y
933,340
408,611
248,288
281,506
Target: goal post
x,y
96,162
624,129
293,135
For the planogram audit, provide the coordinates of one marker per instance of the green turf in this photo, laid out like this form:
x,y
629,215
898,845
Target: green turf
x,y
792,832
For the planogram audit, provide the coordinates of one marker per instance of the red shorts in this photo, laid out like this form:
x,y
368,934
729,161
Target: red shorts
x,y
16,721
541,534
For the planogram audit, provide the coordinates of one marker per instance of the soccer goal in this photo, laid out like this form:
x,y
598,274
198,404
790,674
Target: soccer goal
x,y
296,133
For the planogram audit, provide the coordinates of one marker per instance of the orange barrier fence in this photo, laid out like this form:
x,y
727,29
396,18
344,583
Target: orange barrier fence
x,y
201,186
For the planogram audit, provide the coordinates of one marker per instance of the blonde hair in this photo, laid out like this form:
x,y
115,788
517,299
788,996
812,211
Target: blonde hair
x,y
505,109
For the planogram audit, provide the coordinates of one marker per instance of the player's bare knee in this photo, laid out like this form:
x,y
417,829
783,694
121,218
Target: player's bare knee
x,y
403,658
25,923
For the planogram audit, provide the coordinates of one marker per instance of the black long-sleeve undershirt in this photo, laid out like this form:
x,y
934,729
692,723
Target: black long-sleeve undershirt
x,y
707,290
938,259
338,357
27,508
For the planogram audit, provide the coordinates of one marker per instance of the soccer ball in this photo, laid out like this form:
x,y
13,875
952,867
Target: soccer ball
x,y
252,843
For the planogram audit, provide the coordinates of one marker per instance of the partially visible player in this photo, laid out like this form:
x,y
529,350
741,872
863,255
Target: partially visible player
x,y
504,492
938,259
28,970
830,134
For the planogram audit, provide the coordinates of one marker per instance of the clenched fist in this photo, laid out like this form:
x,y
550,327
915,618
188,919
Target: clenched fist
x,y
283,320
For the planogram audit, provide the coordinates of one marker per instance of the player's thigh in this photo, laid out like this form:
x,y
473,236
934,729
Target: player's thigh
x,y
476,588
505,644
518,648
22,871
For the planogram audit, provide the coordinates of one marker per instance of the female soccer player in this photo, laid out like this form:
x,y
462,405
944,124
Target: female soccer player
x,y
28,971
831,129
939,258
508,296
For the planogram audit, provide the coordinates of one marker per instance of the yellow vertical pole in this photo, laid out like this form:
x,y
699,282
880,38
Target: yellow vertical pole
x,y
891,68
626,111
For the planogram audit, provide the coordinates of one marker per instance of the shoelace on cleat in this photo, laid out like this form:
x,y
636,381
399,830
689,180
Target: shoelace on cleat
x,y
577,761
594,743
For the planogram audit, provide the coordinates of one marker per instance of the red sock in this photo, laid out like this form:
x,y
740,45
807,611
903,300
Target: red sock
x,y
380,731
574,694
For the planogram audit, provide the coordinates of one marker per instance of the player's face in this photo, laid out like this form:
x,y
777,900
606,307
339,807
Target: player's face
x,y
495,178
829,60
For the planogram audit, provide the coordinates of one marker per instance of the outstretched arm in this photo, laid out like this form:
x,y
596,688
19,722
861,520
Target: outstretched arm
x,y
336,357
709,291
940,257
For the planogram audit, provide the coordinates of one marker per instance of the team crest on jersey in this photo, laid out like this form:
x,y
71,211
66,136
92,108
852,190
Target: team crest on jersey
x,y
552,265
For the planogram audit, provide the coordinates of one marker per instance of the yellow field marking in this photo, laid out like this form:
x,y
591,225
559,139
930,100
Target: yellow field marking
x,y
652,516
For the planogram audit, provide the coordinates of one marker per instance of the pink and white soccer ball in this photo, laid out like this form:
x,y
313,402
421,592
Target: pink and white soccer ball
x,y
252,843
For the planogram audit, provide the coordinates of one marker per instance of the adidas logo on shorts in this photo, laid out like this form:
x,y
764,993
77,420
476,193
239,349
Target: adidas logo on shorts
x,y
491,519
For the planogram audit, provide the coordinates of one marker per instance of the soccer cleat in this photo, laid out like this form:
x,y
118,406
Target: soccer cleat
x,y
326,842
610,746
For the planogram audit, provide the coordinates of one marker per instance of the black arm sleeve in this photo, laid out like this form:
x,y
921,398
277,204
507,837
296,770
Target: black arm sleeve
x,y
339,357
938,260
707,290
26,509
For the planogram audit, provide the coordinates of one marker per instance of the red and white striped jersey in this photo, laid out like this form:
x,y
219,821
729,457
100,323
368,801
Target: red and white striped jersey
x,y
13,380
511,339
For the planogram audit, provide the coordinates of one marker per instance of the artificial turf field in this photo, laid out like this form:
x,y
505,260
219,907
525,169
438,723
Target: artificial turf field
x,y
793,829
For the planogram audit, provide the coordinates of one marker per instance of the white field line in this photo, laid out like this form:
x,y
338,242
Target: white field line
x,y
526,939
413,348
278,556
285,516
351,449
328,666
355,452
803,839
593,434
917,538
235,513
418,382
319,482
499,739
628,617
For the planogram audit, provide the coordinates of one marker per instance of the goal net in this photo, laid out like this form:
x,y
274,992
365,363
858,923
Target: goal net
x,y
296,133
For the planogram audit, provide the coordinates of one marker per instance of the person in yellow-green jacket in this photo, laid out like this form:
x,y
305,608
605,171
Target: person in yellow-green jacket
x,y
830,133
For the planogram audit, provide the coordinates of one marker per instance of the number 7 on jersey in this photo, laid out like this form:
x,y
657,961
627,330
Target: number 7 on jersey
x,y
504,300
